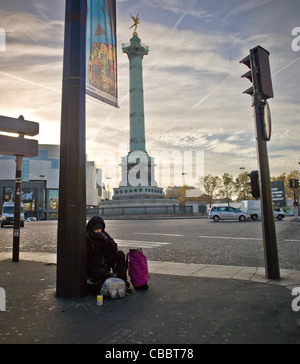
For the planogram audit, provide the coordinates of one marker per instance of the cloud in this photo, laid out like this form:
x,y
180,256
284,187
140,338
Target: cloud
x,y
245,7
30,28
187,7
192,77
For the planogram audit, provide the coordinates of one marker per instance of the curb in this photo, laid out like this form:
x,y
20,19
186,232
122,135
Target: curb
x,y
289,278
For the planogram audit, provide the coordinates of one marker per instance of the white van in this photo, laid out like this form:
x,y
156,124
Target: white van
x,y
252,207
8,211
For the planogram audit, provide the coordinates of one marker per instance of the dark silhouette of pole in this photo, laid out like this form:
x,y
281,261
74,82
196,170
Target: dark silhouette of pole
x,y
17,210
268,222
71,235
272,266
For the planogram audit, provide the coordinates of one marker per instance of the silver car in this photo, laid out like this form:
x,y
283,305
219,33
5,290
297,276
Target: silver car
x,y
218,213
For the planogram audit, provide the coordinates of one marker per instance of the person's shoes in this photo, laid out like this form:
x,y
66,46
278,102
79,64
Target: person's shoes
x,y
128,291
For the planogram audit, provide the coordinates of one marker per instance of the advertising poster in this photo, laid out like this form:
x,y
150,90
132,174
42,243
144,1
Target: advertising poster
x,y
101,77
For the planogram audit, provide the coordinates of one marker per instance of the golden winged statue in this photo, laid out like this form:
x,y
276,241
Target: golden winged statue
x,y
136,22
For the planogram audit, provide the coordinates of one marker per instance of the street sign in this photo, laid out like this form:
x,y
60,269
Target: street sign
x,y
18,146
267,122
18,126
278,193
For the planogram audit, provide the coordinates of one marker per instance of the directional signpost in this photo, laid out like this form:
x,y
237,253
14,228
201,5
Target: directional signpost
x,y
20,147
19,126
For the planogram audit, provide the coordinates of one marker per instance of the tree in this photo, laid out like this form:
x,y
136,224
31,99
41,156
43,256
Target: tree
x,y
211,186
242,189
182,194
290,191
227,188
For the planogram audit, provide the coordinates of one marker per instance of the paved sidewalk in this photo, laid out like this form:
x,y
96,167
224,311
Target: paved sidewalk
x,y
289,278
186,304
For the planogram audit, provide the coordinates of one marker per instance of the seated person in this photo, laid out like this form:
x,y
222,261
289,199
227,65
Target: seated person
x,y
103,254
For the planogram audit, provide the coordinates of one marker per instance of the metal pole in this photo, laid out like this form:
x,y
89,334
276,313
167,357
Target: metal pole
x,y
71,235
295,198
17,212
268,223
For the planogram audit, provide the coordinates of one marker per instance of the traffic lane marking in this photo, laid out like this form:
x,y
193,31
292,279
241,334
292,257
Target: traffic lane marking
x,y
256,239
228,237
158,234
140,244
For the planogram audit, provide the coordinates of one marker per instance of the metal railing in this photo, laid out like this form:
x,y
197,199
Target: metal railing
x,y
140,210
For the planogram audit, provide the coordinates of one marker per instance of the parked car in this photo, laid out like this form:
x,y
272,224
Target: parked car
x,y
253,208
288,212
8,211
279,213
30,219
218,213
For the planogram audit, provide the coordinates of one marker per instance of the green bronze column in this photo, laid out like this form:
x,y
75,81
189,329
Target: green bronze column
x,y
136,51
138,180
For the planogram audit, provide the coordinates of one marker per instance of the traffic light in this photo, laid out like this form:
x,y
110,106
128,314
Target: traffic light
x,y
260,73
294,183
254,183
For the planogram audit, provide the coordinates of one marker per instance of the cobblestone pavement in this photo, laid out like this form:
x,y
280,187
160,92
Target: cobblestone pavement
x,y
197,241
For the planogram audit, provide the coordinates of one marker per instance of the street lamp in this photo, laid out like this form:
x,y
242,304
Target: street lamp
x,y
108,178
183,174
244,187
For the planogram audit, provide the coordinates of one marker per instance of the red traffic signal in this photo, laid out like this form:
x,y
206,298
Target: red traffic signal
x,y
260,72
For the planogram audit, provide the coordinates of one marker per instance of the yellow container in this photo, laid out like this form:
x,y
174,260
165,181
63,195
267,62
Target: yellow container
x,y
99,300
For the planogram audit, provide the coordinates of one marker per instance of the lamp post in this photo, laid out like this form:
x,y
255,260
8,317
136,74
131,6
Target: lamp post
x,y
44,207
108,178
71,232
183,174
244,187
298,201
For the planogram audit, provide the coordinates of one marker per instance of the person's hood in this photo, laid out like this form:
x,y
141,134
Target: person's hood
x,y
94,221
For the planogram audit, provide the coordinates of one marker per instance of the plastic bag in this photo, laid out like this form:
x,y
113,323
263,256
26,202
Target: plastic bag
x,y
114,288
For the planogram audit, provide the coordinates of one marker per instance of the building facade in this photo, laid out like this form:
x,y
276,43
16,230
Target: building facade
x,y
40,183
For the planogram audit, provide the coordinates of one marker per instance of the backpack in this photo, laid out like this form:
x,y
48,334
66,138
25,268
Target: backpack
x,y
138,269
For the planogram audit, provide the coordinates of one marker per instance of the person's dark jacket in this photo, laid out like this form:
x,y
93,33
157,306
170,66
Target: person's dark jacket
x,y
100,247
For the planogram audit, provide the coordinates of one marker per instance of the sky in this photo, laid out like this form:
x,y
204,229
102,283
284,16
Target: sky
x,y
192,78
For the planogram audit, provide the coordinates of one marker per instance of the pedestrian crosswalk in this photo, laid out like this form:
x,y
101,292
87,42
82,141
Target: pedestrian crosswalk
x,y
140,244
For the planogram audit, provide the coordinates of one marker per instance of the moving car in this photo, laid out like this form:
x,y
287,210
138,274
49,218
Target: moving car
x,y
218,213
8,211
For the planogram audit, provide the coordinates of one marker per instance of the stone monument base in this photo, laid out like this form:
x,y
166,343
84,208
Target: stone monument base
x,y
142,206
